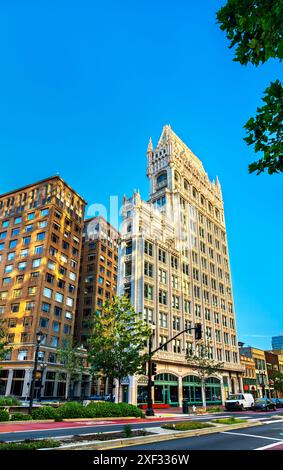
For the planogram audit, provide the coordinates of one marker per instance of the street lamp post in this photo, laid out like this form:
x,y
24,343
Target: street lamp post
x,y
263,385
32,387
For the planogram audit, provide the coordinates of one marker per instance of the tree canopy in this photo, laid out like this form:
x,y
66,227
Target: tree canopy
x,y
255,29
117,342
4,348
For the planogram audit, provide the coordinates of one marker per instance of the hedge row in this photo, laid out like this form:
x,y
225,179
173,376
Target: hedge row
x,y
92,410
9,401
29,445
77,410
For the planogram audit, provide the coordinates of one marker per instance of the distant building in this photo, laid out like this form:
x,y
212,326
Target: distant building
x,y
98,279
277,342
249,376
262,381
41,227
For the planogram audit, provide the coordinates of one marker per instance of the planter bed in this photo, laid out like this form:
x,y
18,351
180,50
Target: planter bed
x,y
155,406
107,436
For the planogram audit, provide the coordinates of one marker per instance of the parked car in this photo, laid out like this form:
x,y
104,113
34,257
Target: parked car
x,y
88,400
239,401
264,404
278,403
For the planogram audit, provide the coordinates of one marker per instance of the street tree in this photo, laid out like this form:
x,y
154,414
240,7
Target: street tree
x,y
200,361
72,359
117,342
4,343
277,379
255,29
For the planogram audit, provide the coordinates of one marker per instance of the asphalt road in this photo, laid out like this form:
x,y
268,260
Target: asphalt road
x,y
251,438
77,430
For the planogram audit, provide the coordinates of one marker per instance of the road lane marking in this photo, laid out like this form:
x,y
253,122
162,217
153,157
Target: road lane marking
x,y
251,435
269,446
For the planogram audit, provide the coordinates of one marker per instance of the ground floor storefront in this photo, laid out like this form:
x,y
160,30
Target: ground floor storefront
x,y
166,390
50,383
172,389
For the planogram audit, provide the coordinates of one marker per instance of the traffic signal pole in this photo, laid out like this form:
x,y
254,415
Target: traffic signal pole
x,y
149,411
198,335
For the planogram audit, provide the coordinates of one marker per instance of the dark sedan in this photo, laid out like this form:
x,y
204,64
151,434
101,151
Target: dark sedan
x,y
264,404
278,403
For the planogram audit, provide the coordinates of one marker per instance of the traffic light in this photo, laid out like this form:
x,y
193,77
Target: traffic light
x,y
198,331
38,374
153,368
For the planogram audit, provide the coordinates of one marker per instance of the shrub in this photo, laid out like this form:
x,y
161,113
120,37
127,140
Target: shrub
x,y
9,401
128,430
214,409
231,420
4,415
106,409
29,445
20,417
45,412
186,426
71,409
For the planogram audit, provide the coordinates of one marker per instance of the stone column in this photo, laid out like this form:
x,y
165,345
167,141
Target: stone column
x,y
180,390
133,390
55,389
9,382
116,390
27,383
240,381
223,397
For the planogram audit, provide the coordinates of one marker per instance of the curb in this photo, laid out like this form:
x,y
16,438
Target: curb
x,y
38,421
127,442
108,418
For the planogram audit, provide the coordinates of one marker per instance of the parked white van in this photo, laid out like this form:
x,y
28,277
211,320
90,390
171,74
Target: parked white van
x,y
239,401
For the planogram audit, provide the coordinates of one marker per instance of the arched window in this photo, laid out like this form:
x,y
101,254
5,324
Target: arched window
x,y
195,193
161,180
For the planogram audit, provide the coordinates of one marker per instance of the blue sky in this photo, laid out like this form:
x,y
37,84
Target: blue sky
x,y
83,85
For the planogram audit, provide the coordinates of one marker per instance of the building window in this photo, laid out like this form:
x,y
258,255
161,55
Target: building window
x,y
23,355
36,263
148,314
129,248
162,256
148,269
44,322
163,340
177,346
177,323
15,308
59,297
163,320
176,302
22,266
148,248
44,212
163,297
32,290
47,292
45,307
148,292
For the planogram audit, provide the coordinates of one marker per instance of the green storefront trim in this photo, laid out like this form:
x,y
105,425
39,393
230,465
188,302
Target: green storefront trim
x,y
166,390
